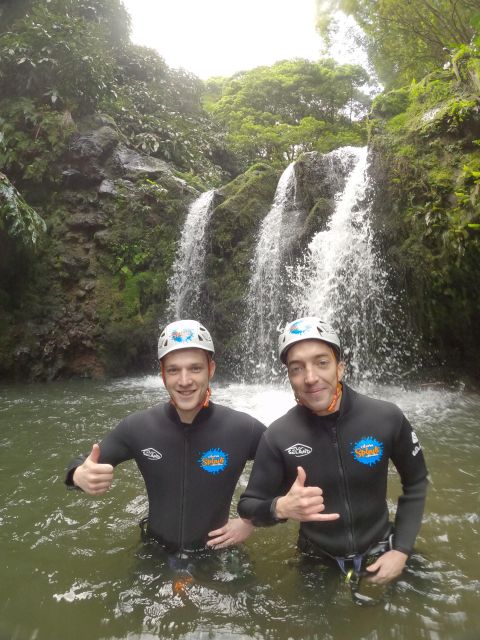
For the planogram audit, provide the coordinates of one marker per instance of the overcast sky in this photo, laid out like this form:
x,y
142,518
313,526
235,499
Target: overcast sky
x,y
221,37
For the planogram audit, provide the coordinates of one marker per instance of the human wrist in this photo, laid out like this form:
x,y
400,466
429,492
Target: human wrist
x,y
76,478
276,510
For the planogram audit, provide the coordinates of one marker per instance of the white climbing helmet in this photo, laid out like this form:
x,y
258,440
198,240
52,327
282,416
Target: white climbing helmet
x,y
184,334
307,329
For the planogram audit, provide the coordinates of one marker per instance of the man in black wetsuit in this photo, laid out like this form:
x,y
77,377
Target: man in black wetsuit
x,y
189,451
325,464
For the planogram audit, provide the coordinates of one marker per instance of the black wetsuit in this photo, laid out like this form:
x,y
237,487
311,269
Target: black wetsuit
x,y
190,470
346,454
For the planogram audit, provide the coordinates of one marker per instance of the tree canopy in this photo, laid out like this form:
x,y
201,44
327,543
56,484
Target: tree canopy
x,y
274,113
406,39
63,60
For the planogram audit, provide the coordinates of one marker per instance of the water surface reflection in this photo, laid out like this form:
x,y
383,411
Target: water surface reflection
x,y
74,567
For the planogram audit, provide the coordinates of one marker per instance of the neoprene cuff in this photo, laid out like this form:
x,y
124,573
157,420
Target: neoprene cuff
x,y
273,511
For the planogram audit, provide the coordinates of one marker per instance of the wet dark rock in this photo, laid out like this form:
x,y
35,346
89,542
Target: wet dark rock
x,y
132,163
102,238
107,187
321,176
73,263
89,222
94,144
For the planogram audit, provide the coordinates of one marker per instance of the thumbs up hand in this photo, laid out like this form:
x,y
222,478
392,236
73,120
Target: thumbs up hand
x,y
91,476
301,503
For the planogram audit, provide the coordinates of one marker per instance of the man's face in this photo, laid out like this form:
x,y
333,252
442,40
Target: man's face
x,y
313,373
187,374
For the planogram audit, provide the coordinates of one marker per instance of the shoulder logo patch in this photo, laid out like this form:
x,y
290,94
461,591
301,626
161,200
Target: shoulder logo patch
x,y
152,454
368,451
299,450
417,447
213,461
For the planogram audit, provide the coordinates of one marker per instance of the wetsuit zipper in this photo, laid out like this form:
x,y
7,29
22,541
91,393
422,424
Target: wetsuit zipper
x,y
184,483
351,536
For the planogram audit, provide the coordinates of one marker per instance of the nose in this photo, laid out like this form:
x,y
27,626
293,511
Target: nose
x,y
184,377
311,375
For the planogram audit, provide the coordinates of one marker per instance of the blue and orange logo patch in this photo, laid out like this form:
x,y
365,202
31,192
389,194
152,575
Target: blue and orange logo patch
x,y
368,451
213,461
299,327
181,335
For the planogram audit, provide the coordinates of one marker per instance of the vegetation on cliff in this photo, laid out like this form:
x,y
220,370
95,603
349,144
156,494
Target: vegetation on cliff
x,y
428,136
103,147
406,39
108,146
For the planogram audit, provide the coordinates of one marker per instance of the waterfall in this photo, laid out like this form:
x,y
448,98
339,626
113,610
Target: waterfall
x,y
189,265
263,298
343,280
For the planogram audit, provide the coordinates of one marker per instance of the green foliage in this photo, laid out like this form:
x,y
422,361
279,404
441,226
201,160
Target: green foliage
x,y
60,53
388,105
17,218
434,183
32,138
73,58
407,39
275,113
159,110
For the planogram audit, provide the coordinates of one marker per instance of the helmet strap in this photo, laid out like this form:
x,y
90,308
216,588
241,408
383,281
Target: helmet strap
x,y
206,402
337,395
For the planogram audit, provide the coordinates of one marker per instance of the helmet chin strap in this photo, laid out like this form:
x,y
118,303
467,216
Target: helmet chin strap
x,y
336,396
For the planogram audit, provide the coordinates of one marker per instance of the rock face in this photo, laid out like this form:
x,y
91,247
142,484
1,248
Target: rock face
x,y
88,302
89,299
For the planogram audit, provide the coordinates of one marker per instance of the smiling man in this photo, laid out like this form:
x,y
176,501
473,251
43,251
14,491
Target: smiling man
x,y
189,450
325,464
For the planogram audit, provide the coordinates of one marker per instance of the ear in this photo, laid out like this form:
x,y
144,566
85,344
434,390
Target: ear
x,y
340,370
162,371
211,369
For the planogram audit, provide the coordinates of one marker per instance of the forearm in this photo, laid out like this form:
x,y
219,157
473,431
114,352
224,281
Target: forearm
x,y
260,511
265,484
408,518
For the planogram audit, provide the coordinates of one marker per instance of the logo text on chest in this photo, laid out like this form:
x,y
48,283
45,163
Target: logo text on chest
x,y
213,461
368,451
299,450
152,454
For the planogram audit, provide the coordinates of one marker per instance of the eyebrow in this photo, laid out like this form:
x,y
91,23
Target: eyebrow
x,y
315,357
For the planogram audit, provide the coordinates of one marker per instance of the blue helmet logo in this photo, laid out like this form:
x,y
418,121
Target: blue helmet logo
x,y
182,335
299,327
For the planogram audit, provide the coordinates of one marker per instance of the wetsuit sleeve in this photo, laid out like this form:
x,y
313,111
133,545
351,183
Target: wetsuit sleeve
x,y
257,431
266,483
408,458
113,450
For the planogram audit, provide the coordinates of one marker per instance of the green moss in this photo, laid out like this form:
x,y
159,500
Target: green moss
x,y
388,105
398,122
317,217
233,231
433,200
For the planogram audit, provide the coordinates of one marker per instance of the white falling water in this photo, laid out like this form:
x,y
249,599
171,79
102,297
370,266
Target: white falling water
x,y
264,299
189,265
343,280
